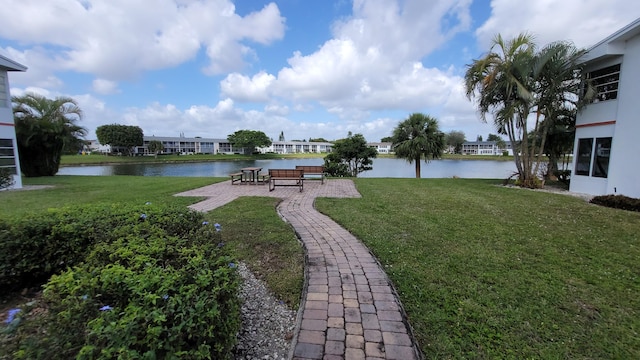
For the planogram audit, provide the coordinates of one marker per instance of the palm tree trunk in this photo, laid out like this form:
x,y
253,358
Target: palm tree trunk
x,y
417,168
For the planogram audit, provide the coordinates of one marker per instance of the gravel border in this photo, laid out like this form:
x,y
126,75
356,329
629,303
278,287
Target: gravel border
x,y
268,325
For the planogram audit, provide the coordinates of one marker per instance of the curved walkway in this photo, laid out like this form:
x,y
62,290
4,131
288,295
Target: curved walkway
x,y
348,310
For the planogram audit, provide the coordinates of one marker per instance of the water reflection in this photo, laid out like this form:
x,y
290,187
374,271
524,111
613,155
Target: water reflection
x,y
382,167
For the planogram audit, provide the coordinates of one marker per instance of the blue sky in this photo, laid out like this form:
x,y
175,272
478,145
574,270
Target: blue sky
x,y
309,68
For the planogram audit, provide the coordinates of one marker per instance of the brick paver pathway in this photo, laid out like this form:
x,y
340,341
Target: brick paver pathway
x,y
349,310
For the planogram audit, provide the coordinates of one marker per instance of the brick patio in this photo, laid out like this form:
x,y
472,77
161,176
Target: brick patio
x,y
348,308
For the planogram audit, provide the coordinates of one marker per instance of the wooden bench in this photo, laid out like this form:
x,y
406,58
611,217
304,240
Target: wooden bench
x,y
235,177
287,176
316,171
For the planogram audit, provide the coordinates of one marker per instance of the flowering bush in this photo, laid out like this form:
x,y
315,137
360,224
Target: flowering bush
x,y
158,287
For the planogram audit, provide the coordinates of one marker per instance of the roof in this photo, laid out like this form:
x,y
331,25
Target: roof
x,y
7,64
614,44
182,139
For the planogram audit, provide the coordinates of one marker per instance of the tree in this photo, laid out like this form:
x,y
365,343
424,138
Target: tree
x,y
387,139
558,145
318,140
248,140
155,147
499,141
418,137
281,137
43,128
350,156
120,136
513,81
455,139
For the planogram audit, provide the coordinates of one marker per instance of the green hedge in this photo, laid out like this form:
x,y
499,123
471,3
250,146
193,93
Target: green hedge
x,y
147,283
34,247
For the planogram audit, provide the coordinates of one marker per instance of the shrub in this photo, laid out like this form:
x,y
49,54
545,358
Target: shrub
x,y
617,202
159,286
34,247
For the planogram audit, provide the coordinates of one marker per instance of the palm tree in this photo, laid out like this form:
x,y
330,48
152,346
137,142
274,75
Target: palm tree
x,y
558,79
418,137
43,127
503,84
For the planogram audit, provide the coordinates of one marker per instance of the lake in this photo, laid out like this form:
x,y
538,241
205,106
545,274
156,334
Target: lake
x,y
382,168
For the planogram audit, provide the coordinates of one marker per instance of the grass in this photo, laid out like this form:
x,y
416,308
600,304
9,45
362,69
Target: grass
x,y
265,243
67,190
492,272
97,159
270,248
483,271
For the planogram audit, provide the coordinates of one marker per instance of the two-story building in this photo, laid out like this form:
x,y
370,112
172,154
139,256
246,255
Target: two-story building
x,y
382,147
197,145
9,158
608,129
481,148
294,147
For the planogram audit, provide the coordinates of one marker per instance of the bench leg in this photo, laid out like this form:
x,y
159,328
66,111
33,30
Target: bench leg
x,y
272,184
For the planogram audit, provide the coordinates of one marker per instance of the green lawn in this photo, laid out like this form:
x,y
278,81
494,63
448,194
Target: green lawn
x,y
94,159
491,272
270,247
483,271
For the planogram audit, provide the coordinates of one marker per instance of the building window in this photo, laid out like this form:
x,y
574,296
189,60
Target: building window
x,y
583,162
605,81
601,157
4,101
7,156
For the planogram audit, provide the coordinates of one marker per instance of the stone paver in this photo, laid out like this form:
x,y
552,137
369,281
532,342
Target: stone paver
x,y
348,310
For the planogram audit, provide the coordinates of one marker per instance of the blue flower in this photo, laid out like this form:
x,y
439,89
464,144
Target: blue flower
x,y
165,296
232,265
218,226
84,297
220,244
11,315
143,217
205,223
106,308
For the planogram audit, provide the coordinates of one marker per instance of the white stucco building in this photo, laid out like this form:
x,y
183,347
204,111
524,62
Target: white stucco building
x,y
608,129
8,146
382,147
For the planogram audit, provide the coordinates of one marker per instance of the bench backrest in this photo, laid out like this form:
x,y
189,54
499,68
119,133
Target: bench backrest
x,y
311,169
286,173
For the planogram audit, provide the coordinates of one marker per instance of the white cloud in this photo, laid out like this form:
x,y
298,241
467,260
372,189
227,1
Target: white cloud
x,y
105,87
119,38
243,88
373,60
584,22
40,69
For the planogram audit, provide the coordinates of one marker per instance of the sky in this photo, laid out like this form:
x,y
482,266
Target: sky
x,y
306,68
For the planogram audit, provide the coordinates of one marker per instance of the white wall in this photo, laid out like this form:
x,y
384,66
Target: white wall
x,y
7,129
624,170
589,184
624,166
